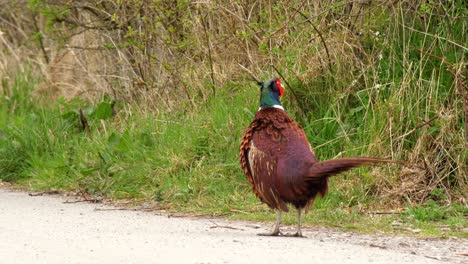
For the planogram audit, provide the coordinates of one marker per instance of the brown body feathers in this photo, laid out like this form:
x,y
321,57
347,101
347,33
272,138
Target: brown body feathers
x,y
280,164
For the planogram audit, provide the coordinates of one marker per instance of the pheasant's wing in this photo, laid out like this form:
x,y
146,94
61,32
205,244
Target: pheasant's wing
x,y
244,153
264,170
260,169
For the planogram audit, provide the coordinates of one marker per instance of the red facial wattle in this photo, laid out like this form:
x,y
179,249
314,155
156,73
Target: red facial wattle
x,y
280,87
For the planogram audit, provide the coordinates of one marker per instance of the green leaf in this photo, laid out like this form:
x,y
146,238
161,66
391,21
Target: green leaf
x,y
119,142
113,140
355,110
70,116
102,111
88,110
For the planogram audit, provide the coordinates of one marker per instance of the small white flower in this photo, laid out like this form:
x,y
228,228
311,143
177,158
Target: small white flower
x,y
377,33
353,82
377,86
380,56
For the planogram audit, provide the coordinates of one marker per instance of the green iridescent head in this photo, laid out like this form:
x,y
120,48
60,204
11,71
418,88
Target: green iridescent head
x,y
270,93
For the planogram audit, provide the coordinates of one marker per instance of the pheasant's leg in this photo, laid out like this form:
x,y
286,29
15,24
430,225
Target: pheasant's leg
x,y
299,222
276,231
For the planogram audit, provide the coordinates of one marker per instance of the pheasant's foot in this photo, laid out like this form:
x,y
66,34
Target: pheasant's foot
x,y
274,233
297,234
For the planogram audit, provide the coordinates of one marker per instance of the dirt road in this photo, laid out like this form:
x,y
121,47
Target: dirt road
x,y
44,229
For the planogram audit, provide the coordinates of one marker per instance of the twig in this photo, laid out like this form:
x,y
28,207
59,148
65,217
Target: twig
x,y
327,10
223,226
245,23
377,246
442,60
461,86
116,209
363,13
92,200
210,56
44,193
437,37
84,123
417,127
298,10
287,83
229,227
91,47
433,257
238,211
72,202
385,213
250,73
326,48
41,42
323,42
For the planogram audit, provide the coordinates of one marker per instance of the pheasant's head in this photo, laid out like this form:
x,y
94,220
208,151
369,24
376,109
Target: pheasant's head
x,y
270,93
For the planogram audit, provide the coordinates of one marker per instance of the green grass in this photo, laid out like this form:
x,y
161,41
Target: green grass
x,y
183,161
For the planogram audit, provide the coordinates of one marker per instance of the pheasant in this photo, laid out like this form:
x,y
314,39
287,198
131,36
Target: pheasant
x,y
279,162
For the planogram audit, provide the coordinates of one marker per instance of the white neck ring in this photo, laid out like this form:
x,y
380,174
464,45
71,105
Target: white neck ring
x,y
274,106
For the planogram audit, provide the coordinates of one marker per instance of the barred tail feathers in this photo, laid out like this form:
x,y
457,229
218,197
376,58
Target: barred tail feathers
x,y
335,166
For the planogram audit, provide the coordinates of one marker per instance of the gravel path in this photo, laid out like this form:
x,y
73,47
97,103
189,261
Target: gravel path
x,y
44,229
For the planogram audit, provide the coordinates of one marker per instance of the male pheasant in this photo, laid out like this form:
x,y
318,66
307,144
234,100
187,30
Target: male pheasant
x,y
279,162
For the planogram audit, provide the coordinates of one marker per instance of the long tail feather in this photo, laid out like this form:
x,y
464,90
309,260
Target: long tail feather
x,y
335,166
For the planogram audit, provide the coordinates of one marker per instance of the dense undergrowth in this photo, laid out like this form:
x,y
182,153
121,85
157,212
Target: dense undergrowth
x,y
183,161
388,80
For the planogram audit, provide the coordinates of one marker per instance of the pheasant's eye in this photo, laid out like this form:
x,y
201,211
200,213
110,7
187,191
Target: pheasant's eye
x,y
279,86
